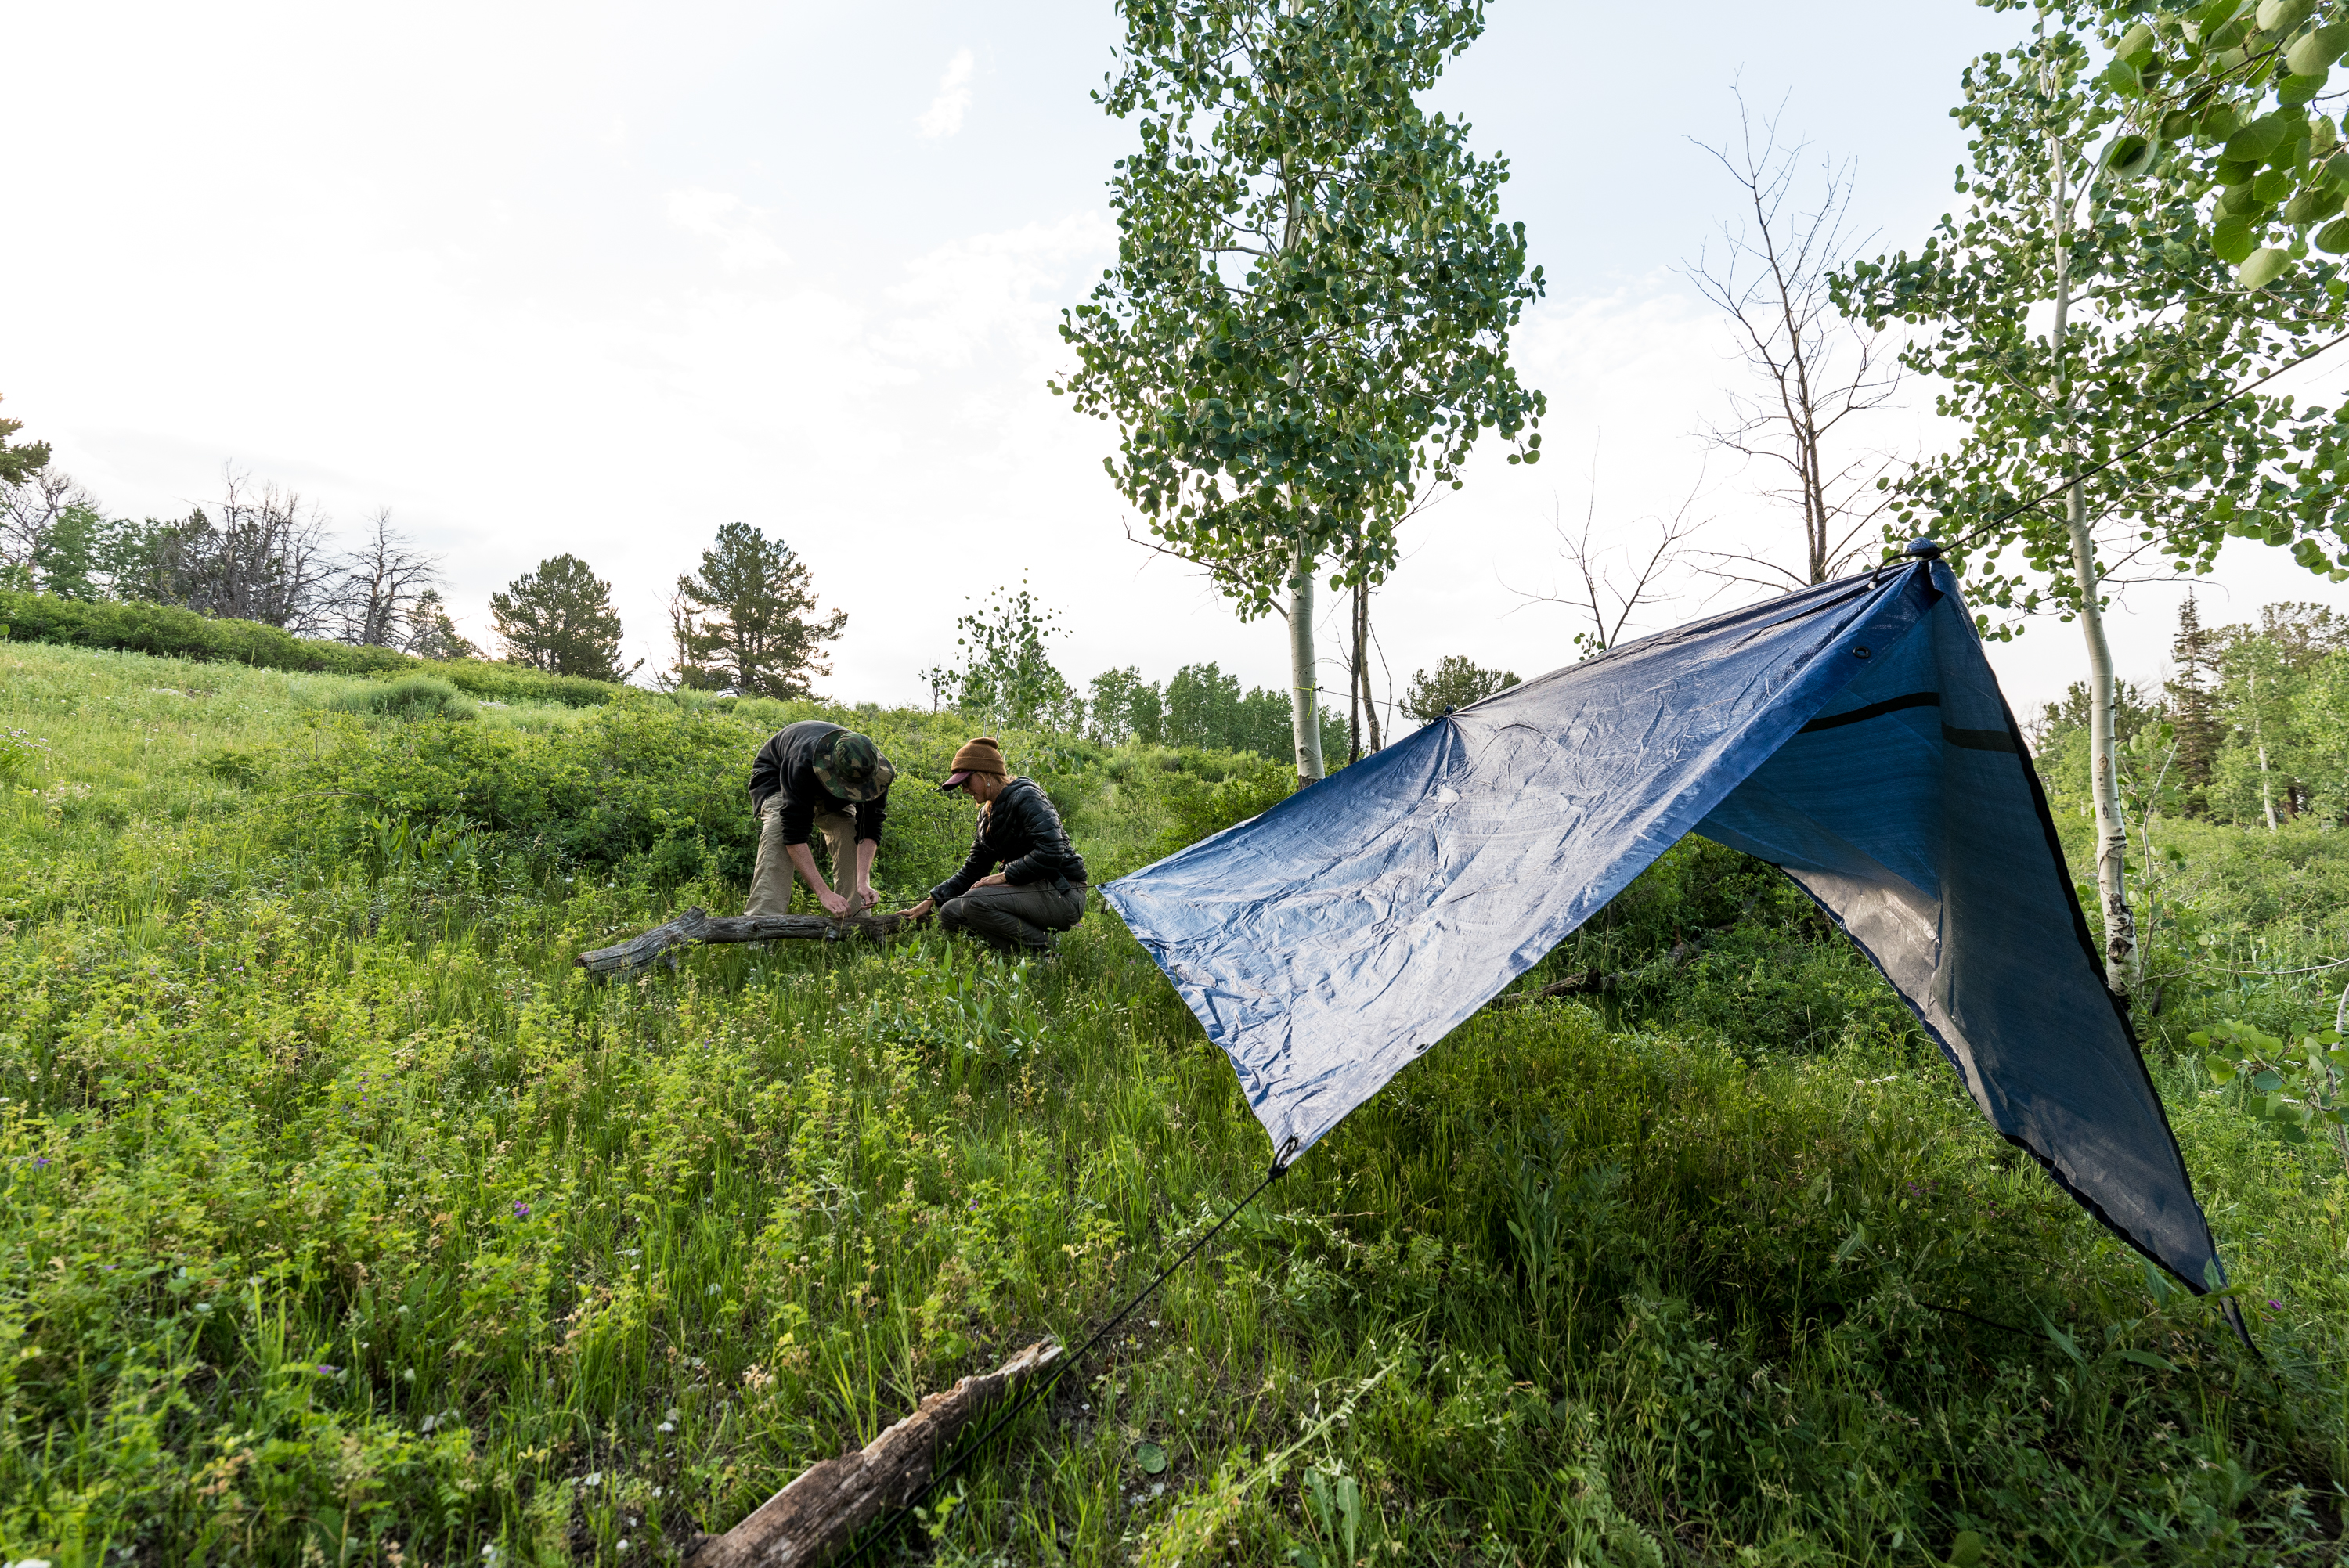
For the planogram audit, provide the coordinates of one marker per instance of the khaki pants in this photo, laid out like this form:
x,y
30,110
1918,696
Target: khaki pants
x,y
1016,918
771,883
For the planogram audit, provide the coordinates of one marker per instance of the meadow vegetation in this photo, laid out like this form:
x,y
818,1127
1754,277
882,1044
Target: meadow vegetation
x,y
343,1221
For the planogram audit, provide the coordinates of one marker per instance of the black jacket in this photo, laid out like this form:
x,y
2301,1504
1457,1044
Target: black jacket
x,y
1021,832
785,766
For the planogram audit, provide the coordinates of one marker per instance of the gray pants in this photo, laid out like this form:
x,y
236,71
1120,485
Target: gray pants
x,y
1016,917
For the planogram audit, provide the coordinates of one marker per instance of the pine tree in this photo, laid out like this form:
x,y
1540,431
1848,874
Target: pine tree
x,y
747,620
560,619
2196,654
20,460
1457,681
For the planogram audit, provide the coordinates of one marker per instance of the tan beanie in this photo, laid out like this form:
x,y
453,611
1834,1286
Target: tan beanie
x,y
980,756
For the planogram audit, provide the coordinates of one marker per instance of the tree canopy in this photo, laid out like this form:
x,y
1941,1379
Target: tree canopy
x,y
1308,322
747,622
560,619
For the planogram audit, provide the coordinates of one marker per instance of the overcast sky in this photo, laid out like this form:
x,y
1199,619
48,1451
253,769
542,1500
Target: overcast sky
x,y
600,278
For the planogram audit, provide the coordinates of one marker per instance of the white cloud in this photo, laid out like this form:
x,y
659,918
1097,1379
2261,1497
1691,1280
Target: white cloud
x,y
944,116
740,228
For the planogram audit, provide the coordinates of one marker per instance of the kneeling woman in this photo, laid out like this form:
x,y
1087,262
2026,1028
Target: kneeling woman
x,y
1041,889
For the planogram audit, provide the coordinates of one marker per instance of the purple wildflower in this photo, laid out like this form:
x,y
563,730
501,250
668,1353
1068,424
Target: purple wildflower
x,y
39,1161
521,1209
2275,1307
328,1368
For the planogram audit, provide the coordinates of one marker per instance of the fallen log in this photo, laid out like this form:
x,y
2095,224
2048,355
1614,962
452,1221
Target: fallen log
x,y
697,925
832,1500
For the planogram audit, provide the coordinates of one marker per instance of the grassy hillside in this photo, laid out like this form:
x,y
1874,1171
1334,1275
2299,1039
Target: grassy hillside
x,y
342,1221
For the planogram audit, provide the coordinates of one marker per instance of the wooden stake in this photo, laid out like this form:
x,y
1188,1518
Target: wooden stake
x,y
697,925
822,1511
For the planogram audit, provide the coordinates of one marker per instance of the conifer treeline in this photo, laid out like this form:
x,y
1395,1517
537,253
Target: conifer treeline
x,y
2251,729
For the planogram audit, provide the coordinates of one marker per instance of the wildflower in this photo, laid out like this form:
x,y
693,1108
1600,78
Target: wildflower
x,y
521,1209
2275,1307
328,1368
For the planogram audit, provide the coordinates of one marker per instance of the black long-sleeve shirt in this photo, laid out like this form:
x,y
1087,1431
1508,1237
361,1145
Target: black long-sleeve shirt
x,y
785,766
1023,833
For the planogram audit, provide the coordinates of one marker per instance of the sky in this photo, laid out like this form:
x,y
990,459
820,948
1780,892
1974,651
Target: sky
x,y
600,278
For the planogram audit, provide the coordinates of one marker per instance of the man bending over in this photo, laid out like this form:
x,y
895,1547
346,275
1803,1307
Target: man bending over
x,y
814,776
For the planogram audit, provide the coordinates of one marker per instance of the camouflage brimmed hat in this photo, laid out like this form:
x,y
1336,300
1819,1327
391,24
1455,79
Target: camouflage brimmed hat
x,y
853,767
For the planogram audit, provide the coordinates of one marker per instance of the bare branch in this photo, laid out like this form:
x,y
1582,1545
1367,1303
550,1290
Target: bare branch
x,y
1601,597
1815,368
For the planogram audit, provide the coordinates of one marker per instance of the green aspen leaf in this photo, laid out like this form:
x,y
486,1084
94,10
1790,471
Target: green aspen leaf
x,y
2255,141
2220,122
1150,1457
2231,239
2176,125
2267,1080
2272,186
2231,172
2220,1069
2294,90
2123,78
2282,15
2312,205
2334,238
2136,44
2312,52
2130,156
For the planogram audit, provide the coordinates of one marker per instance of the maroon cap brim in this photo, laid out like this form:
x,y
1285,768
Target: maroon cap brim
x,y
954,781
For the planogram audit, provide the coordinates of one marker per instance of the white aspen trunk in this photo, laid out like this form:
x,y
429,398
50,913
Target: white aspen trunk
x,y
2112,830
2259,739
1304,696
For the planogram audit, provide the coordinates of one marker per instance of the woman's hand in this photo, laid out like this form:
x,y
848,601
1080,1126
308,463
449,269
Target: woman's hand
x,y
919,912
994,878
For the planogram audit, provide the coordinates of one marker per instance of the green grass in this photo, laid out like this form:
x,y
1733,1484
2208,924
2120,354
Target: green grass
x,y
342,1220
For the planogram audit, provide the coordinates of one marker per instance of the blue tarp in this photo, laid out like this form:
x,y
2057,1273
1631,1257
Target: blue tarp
x,y
1851,733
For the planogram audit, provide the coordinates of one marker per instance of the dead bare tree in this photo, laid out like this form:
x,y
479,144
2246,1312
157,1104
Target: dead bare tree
x,y
1816,370
264,560
30,510
382,580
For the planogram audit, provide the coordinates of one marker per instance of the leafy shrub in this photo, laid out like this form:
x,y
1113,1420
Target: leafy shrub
x,y
170,633
416,697
1198,808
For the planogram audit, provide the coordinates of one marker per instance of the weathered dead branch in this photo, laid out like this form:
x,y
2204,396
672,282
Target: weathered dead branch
x,y
696,924
832,1500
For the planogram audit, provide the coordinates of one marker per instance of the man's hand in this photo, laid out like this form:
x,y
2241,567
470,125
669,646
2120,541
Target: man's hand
x,y
866,898
919,912
994,878
832,903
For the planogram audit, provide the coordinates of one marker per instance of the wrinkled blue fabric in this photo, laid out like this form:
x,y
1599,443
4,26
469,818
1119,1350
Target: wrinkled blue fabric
x,y
1851,733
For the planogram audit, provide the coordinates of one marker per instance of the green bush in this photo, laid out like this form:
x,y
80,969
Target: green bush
x,y
170,633
647,787
1199,806
415,696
